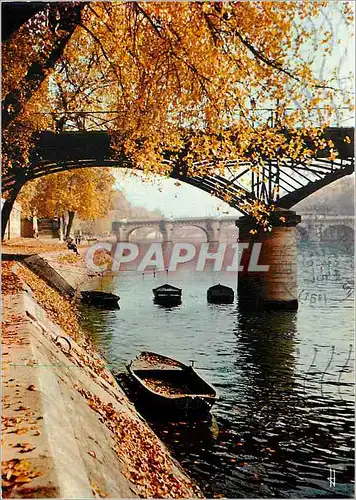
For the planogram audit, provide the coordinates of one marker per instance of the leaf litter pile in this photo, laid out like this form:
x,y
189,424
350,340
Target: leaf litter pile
x,y
60,309
28,246
11,284
153,359
166,387
102,257
71,258
147,464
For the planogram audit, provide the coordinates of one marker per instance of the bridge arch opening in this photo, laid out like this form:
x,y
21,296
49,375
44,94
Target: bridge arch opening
x,y
338,233
146,233
190,233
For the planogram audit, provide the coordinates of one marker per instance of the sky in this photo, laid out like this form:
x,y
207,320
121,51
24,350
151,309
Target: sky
x,y
172,201
187,201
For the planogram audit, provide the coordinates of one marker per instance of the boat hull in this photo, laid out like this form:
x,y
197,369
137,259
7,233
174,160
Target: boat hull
x,y
101,300
220,294
220,299
167,295
155,403
167,300
170,387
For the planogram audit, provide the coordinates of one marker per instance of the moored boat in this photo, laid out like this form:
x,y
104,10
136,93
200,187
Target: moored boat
x,y
104,300
171,386
167,295
220,294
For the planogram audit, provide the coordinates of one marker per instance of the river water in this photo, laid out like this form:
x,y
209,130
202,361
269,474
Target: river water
x,y
284,423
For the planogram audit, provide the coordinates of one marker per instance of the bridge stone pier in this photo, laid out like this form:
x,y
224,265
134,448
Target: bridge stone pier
x,y
275,286
213,231
122,234
166,229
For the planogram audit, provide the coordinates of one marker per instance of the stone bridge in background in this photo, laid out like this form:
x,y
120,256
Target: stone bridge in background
x,y
210,226
312,227
326,228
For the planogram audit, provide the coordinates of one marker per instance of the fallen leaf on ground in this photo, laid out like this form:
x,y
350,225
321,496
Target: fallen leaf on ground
x,y
17,471
25,447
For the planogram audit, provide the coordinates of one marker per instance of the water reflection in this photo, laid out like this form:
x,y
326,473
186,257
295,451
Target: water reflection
x,y
96,322
265,357
267,344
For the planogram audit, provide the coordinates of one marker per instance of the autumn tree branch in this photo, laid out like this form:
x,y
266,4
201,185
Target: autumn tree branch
x,y
258,55
16,99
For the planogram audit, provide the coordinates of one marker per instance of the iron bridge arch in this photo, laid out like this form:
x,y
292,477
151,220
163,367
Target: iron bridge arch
x,y
285,185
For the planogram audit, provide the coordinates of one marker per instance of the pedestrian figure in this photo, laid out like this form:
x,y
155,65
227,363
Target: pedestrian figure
x,y
72,246
77,237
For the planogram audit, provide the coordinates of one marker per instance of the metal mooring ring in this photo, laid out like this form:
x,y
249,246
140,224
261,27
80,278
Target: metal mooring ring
x,y
62,337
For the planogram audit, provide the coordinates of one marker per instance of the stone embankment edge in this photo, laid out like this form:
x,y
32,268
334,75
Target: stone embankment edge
x,y
56,452
62,479
39,265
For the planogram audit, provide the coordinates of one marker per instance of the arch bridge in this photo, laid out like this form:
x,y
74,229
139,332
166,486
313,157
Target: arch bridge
x,y
319,228
280,184
210,226
276,183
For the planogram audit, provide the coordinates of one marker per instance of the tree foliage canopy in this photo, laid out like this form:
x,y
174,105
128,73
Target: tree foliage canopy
x,y
190,78
87,192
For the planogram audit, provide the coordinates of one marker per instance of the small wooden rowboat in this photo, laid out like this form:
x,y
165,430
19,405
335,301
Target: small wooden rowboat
x,y
167,295
220,294
104,300
169,385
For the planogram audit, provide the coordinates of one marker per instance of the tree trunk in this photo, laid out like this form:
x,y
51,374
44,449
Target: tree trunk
x,y
7,207
61,227
71,215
